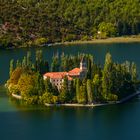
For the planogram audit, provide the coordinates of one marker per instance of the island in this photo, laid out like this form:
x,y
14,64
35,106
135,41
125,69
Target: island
x,y
72,80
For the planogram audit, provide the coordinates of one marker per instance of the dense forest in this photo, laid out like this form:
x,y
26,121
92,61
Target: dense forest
x,y
37,22
110,82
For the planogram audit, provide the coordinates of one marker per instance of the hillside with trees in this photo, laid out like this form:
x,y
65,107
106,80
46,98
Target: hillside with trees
x,y
37,22
102,84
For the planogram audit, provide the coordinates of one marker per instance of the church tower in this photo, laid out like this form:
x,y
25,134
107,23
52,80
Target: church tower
x,y
83,68
83,65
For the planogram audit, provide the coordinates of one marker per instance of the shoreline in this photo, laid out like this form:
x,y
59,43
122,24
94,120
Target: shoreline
x,y
96,105
127,39
106,41
86,105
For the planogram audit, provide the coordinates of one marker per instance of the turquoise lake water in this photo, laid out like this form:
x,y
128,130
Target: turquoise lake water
x,y
113,122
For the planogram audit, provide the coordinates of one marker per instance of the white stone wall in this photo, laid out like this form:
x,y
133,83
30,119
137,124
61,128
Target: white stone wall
x,y
57,82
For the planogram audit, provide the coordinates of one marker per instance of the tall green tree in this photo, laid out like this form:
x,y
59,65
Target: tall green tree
x,y
64,93
134,72
89,92
48,85
11,67
83,93
24,62
78,90
107,75
89,66
29,61
55,64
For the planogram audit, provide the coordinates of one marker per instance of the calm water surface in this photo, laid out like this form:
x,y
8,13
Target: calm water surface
x,y
115,122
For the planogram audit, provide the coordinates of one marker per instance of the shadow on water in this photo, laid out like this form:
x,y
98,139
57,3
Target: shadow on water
x,y
106,113
39,122
3,91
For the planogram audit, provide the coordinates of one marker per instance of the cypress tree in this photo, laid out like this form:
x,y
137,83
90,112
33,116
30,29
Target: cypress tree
x,y
72,90
77,89
55,64
64,93
83,93
96,87
134,72
89,66
18,64
63,62
24,62
29,61
39,60
11,67
39,84
107,76
48,85
89,92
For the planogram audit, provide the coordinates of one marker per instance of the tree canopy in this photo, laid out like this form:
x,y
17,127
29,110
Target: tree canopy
x,y
111,82
37,22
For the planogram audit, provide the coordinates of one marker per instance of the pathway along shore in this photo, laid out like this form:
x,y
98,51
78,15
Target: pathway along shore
x,y
123,39
127,39
88,105
101,104
16,96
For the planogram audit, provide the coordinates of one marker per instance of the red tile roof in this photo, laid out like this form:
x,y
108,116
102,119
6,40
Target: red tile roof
x,y
74,72
56,75
61,75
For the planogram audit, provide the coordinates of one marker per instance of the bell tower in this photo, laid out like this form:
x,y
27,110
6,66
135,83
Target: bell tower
x,y
83,65
83,68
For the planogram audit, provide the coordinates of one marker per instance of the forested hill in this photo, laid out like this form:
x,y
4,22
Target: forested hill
x,y
37,21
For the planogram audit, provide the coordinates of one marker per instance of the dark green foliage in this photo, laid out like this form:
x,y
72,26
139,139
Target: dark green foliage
x,y
63,62
77,90
11,67
29,61
89,92
64,96
41,65
48,85
107,30
134,72
72,91
24,62
50,88
97,88
118,79
39,22
83,93
55,63
107,82
18,63
39,85
89,66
